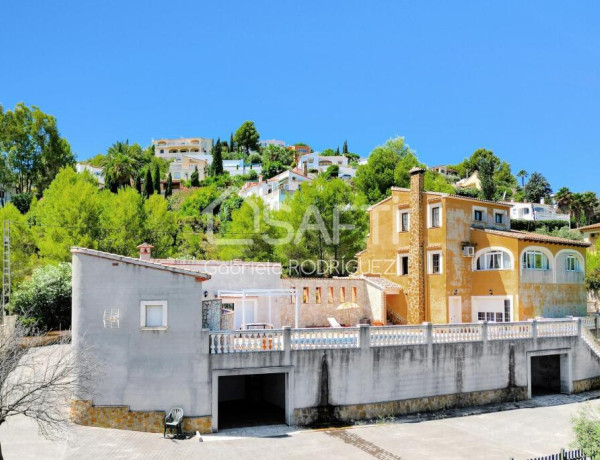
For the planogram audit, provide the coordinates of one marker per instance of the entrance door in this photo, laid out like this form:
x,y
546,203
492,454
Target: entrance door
x,y
455,309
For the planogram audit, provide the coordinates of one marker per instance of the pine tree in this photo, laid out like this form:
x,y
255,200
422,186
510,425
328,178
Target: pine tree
x,y
337,151
345,147
148,187
138,183
195,179
217,162
169,186
231,144
156,178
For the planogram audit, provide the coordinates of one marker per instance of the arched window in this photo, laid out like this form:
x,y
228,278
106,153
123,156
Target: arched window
x,y
535,260
494,260
572,263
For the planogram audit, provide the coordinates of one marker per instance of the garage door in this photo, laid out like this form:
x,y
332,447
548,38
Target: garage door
x,y
492,308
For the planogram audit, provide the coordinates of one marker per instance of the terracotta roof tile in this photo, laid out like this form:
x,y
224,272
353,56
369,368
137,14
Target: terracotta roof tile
x,y
590,227
528,236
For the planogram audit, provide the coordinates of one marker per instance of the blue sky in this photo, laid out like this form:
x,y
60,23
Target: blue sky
x,y
519,78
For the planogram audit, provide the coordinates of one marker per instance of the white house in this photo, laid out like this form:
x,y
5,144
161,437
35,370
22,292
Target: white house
x,y
175,148
274,191
96,171
320,163
536,212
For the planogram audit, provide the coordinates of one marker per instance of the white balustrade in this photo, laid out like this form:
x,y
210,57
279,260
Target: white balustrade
x,y
448,333
556,328
246,341
320,338
387,336
589,322
507,331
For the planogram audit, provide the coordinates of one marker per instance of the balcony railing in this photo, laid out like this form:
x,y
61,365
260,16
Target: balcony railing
x,y
288,339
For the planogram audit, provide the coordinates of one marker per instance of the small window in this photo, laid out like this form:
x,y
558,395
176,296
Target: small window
x,y
318,294
499,218
330,296
535,260
506,310
354,294
435,263
572,264
305,294
342,294
402,265
404,221
153,314
435,217
162,151
478,215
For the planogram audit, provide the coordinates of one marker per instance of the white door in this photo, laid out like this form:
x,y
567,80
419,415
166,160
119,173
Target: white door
x,y
249,316
455,309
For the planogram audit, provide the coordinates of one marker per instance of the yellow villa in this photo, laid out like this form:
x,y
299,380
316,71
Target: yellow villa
x,y
457,260
591,234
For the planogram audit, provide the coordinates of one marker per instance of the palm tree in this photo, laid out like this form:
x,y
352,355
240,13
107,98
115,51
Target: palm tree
x,y
589,204
523,175
564,200
120,166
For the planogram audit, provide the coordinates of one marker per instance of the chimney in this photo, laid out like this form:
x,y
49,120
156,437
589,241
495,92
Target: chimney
x,y
305,168
416,253
145,251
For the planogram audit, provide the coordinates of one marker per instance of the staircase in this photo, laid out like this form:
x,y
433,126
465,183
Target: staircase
x,y
591,341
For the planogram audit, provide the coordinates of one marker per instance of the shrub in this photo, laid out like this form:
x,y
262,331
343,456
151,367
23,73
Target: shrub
x,y
22,201
44,300
586,426
532,225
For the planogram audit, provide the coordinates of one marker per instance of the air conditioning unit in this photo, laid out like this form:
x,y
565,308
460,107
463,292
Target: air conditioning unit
x,y
468,251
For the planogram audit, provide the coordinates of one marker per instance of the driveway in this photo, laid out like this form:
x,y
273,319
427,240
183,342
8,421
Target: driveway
x,y
535,429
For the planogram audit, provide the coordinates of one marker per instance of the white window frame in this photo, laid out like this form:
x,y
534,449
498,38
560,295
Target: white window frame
x,y
401,212
430,255
535,253
504,215
483,214
430,208
143,305
576,263
504,255
399,265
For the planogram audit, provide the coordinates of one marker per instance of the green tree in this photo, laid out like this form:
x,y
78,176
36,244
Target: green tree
x,y
325,223
272,168
69,215
586,425
247,137
122,221
160,226
23,250
564,200
45,299
536,188
121,165
345,147
376,178
217,161
469,165
337,151
332,171
156,177
522,174
169,186
248,236
22,201
486,176
31,144
194,179
148,185
231,143
272,153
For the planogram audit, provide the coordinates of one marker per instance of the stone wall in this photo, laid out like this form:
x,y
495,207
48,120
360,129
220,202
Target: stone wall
x,y
416,252
83,412
313,313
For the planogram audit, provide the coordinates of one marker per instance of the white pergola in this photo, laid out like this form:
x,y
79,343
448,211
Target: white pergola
x,y
269,293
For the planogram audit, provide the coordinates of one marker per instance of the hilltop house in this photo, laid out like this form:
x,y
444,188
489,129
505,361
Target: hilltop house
x,y
274,191
176,148
591,233
320,163
537,212
95,171
456,260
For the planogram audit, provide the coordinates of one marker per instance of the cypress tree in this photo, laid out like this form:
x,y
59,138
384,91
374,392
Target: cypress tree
x,y
156,178
195,179
345,147
231,142
337,151
217,162
169,186
138,183
148,187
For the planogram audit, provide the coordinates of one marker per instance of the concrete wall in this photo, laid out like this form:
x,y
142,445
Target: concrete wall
x,y
146,370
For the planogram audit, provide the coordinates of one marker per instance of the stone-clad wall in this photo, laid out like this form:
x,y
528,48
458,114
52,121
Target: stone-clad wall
x,y
312,313
120,417
416,252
